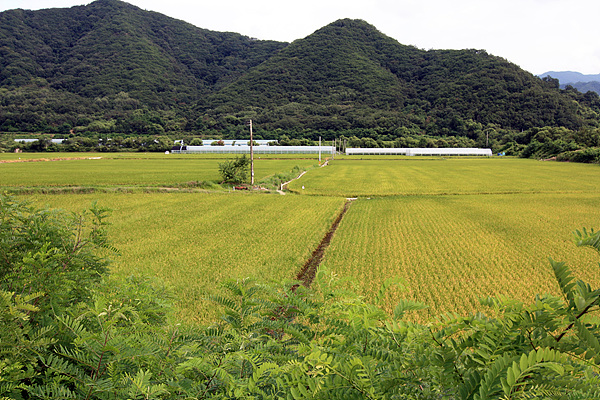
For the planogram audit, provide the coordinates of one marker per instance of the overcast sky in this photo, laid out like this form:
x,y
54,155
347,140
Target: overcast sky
x,y
537,35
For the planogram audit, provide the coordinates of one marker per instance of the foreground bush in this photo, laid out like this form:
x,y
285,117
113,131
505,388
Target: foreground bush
x,y
93,338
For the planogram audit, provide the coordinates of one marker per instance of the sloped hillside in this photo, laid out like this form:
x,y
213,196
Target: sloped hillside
x,y
113,68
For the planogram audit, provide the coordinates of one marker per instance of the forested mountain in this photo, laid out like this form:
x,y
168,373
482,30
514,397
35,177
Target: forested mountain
x,y
89,62
348,75
111,68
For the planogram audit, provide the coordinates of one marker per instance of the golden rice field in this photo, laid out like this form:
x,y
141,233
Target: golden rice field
x,y
418,176
454,229
194,241
453,250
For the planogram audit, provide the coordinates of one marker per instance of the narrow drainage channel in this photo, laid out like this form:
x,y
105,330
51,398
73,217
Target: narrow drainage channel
x,y
309,270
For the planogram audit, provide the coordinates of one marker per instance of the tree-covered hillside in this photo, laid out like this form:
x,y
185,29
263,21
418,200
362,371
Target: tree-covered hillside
x,y
110,68
349,76
100,62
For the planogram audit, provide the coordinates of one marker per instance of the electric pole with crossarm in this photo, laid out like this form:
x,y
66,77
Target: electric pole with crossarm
x,y
251,156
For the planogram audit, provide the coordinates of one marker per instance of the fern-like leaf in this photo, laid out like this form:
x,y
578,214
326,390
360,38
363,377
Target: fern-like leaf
x,y
585,238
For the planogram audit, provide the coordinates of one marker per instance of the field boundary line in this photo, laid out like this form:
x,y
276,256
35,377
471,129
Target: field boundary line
x,y
307,274
283,185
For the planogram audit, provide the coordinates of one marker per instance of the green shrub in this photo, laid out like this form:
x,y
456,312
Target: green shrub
x,y
51,252
589,155
235,171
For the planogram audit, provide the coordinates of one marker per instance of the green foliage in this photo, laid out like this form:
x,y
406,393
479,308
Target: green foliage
x,y
235,171
20,342
589,155
51,252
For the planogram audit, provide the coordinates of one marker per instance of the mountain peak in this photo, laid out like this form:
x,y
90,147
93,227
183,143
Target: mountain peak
x,y
110,60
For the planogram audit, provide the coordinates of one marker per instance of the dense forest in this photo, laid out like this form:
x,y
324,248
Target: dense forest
x,y
110,69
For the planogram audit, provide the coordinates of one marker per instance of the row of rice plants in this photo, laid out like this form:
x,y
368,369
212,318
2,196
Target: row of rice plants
x,y
454,250
194,241
133,172
387,177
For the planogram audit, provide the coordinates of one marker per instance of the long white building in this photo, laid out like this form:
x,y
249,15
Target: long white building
x,y
420,151
245,149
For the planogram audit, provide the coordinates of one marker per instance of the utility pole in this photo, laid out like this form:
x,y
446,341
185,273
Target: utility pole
x,y
251,156
319,150
333,149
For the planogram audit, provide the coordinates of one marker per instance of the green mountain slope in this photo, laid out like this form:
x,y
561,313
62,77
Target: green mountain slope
x,y
110,68
111,46
109,53
349,75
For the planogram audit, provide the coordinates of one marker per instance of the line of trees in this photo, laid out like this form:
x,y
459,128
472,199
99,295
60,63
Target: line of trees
x,y
567,145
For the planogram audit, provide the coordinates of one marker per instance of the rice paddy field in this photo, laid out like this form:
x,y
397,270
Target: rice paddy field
x,y
153,171
141,155
435,176
194,241
453,250
454,229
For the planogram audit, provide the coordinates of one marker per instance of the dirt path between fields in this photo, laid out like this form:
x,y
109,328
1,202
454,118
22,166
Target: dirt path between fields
x,y
283,185
309,270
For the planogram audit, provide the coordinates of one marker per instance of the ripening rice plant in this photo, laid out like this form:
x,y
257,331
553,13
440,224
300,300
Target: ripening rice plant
x,y
453,250
194,241
389,177
152,171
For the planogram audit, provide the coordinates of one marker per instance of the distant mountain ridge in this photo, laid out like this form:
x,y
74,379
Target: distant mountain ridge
x,y
571,76
111,67
579,81
584,87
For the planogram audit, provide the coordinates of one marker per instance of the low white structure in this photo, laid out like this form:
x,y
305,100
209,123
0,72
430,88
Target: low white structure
x,y
257,149
420,151
236,142
57,141
377,150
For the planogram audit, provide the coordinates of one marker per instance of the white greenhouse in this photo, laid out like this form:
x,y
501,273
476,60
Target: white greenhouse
x,y
56,141
419,151
231,142
257,149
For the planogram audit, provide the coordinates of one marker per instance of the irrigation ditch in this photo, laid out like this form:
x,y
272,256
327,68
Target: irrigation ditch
x,y
307,273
